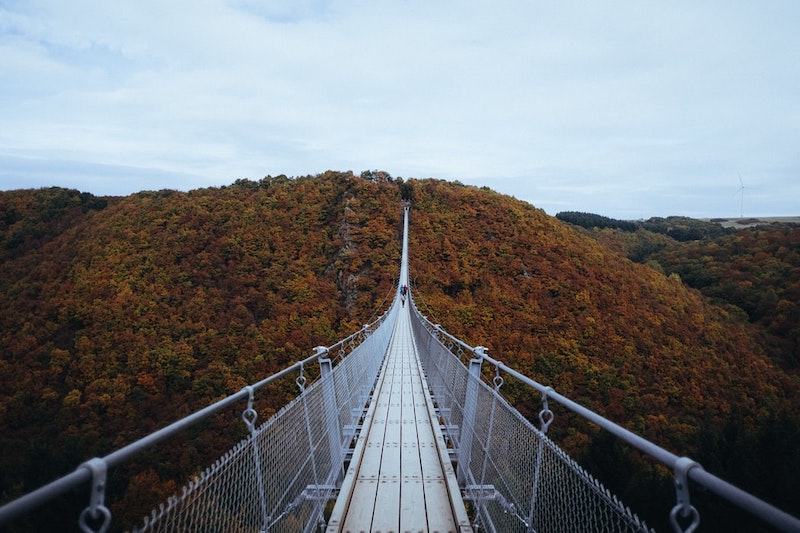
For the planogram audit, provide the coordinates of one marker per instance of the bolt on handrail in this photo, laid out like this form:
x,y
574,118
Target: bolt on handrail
x,y
682,466
84,473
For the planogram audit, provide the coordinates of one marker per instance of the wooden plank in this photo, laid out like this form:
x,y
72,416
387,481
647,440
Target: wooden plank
x,y
413,513
361,507
387,500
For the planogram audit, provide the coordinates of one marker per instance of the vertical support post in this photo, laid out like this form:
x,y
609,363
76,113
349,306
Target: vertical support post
x,y
470,413
331,414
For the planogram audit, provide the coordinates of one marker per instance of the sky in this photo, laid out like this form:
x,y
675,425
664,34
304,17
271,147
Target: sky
x,y
629,109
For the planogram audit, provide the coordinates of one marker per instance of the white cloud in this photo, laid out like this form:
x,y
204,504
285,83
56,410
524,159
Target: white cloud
x,y
621,108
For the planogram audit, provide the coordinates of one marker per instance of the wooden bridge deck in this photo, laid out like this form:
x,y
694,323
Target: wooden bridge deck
x,y
400,479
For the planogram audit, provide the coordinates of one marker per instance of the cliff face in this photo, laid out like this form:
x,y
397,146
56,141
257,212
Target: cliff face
x,y
120,315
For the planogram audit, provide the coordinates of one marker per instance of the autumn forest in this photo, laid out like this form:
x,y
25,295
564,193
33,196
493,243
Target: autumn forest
x,y
120,315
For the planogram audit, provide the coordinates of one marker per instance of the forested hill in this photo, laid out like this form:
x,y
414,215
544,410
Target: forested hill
x,y
119,315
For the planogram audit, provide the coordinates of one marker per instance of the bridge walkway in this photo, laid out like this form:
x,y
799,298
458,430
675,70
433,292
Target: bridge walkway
x,y
400,478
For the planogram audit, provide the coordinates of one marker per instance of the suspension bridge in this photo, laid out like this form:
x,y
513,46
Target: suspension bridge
x,y
399,433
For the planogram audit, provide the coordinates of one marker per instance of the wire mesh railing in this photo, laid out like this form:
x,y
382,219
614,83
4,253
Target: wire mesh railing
x,y
281,477
519,480
515,477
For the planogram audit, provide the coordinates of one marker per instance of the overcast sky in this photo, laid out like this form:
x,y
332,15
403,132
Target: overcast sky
x,y
627,109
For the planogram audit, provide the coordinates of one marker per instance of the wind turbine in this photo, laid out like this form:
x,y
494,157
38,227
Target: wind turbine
x,y
741,192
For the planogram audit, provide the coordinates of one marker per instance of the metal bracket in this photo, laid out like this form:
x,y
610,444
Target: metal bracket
x,y
683,507
301,380
481,493
250,415
319,351
96,510
545,415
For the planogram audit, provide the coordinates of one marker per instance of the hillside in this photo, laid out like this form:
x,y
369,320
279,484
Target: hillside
x,y
753,270
120,320
119,315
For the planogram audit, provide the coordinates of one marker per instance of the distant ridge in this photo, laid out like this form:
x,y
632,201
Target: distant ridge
x,y
749,222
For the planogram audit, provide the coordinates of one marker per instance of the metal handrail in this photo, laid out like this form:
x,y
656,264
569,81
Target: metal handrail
x,y
744,500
